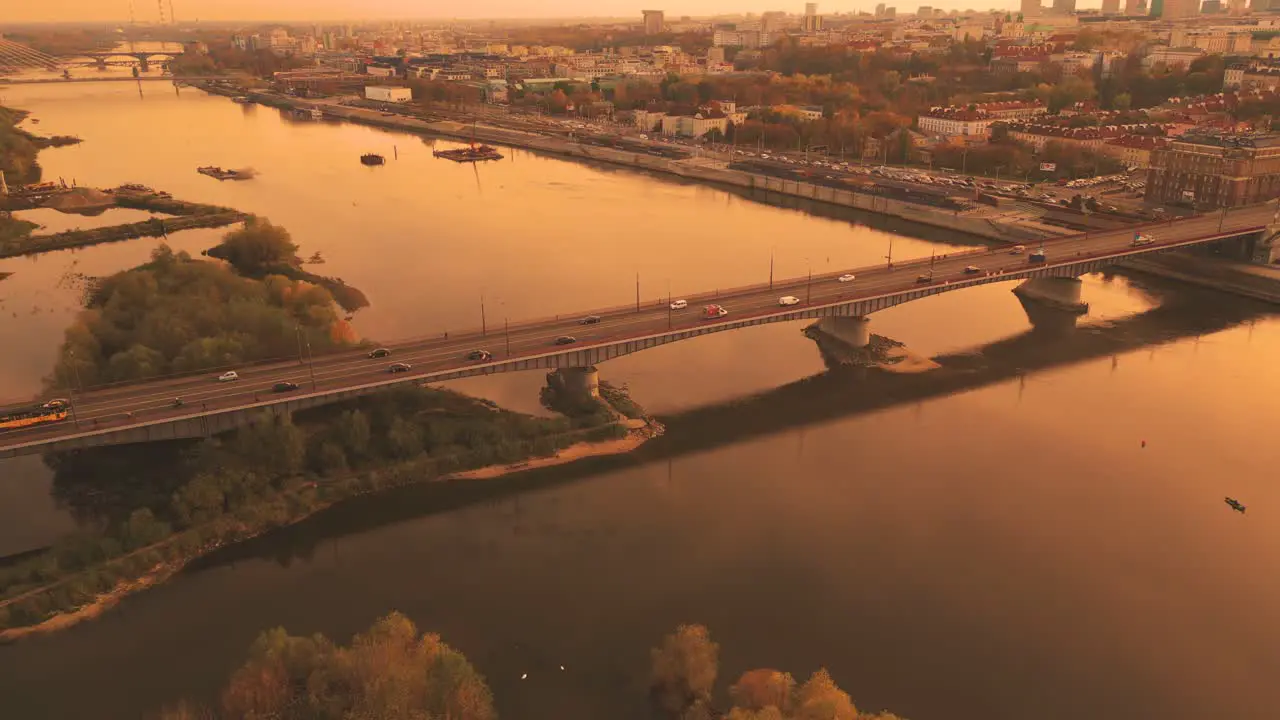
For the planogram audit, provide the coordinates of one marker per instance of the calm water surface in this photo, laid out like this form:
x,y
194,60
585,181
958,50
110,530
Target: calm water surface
x,y
1004,549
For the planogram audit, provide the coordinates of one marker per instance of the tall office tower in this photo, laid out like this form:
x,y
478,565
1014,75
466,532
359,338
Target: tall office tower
x,y
812,20
880,10
1110,7
1031,8
1064,7
652,22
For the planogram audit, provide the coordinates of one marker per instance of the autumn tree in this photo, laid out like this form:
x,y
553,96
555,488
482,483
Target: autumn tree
x,y
684,669
390,672
257,247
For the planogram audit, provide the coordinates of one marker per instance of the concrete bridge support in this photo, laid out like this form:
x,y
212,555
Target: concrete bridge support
x,y
1059,293
853,331
100,63
144,63
576,384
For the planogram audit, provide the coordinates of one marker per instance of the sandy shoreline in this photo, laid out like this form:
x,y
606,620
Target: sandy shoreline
x,y
640,432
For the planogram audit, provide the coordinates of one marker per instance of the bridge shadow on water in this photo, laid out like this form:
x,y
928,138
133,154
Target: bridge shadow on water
x,y
839,392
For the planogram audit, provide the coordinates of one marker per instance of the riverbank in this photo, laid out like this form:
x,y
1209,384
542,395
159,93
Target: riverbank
x,y
89,592
994,230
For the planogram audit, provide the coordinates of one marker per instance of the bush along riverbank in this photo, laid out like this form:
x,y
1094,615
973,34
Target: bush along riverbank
x,y
192,498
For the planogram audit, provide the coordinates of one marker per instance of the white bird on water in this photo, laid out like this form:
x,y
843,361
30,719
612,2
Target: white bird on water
x,y
522,677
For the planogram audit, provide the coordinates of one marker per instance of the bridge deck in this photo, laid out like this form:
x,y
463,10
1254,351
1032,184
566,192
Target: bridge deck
x,y
144,410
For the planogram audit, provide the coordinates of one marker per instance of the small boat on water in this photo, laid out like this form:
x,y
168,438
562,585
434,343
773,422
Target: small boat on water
x,y
1236,505
221,174
372,159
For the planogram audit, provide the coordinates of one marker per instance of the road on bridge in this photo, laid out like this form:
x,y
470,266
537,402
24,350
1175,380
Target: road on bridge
x,y
110,406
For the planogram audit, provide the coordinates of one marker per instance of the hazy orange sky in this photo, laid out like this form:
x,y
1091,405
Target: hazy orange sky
x,y
322,10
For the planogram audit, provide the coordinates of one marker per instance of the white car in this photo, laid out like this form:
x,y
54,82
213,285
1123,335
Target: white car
x,y
679,304
788,300
848,277
228,376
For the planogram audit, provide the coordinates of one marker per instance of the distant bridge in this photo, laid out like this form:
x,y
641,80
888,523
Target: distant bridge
x,y
143,411
141,58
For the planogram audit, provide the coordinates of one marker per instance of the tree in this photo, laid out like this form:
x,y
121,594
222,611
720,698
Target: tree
x,y
142,529
684,668
388,673
404,438
257,247
759,689
820,699
353,428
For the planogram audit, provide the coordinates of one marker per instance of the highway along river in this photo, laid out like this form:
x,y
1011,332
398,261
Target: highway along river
x,y
1037,532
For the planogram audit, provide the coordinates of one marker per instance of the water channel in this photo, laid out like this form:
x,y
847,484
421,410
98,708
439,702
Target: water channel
x,y
1003,546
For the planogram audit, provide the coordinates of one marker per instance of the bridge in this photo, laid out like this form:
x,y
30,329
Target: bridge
x,y
16,57
142,58
142,411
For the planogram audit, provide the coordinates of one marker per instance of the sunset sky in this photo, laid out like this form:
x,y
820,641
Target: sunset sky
x,y
323,10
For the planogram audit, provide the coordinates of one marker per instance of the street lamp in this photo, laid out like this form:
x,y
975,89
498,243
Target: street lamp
x,y
808,285
506,331
75,372
669,303
771,264
483,325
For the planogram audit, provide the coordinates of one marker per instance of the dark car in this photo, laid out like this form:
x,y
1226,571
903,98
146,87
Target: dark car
x,y
284,387
479,355
566,340
589,320
972,270
399,367
380,353
924,279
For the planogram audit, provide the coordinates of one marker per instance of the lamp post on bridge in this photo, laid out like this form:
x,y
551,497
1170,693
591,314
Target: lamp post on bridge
x,y
75,372
484,330
506,331
669,309
808,284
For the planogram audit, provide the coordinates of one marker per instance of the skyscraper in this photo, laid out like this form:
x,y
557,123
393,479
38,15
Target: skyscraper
x,y
1131,7
812,20
652,22
1110,7
1030,8
1064,7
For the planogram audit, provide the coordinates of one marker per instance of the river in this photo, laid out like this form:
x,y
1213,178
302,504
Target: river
x,y
1044,545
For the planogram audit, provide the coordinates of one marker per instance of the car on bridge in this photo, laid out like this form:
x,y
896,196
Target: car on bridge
x,y
57,404
924,279
480,355
1017,250
228,376
379,353
394,368
1141,240
284,386
712,312
786,300
589,320
679,304
972,269
847,277
566,340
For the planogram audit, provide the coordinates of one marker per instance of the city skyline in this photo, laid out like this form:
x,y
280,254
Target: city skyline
x,y
145,11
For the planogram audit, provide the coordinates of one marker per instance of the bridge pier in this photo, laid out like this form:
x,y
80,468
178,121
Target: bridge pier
x,y
100,63
1059,293
576,384
144,63
853,331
